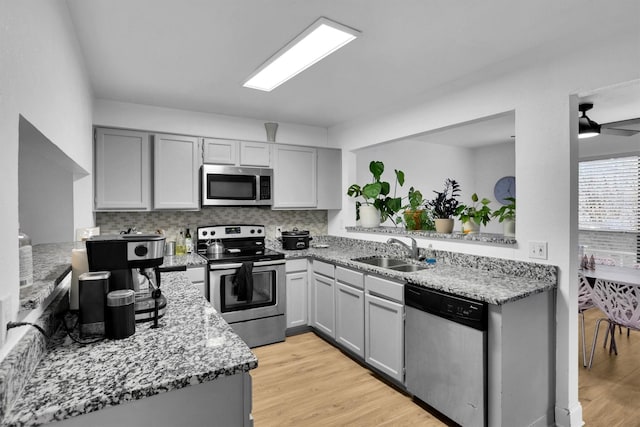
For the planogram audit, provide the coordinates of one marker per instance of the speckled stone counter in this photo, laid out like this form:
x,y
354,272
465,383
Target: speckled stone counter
x,y
486,238
51,262
73,379
493,280
188,260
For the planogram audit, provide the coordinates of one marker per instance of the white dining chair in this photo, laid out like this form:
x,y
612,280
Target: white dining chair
x,y
584,303
620,302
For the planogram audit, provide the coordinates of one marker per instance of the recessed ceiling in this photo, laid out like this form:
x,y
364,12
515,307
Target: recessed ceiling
x,y
195,54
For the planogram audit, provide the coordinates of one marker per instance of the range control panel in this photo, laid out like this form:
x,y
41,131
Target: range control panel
x,y
230,232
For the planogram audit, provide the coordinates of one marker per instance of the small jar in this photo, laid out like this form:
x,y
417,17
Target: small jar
x,y
120,316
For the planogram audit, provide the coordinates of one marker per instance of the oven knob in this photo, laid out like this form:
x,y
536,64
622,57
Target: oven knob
x,y
204,232
253,231
141,250
259,230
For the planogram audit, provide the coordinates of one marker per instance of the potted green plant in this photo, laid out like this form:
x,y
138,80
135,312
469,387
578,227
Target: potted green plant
x,y
415,216
444,206
506,214
377,205
474,214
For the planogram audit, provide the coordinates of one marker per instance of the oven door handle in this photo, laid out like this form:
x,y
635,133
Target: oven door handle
x,y
235,265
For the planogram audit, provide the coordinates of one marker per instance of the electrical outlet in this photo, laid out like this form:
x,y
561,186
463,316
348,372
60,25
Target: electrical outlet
x,y
5,317
538,250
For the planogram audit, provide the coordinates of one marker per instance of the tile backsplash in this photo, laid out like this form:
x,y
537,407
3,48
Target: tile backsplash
x,y
175,221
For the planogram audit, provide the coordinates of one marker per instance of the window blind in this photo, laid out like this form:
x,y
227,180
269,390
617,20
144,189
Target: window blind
x,y
608,194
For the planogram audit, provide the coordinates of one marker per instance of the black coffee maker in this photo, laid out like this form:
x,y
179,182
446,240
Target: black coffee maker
x,y
133,261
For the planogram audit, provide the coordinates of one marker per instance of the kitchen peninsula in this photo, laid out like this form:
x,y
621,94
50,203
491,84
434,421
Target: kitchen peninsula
x,y
193,362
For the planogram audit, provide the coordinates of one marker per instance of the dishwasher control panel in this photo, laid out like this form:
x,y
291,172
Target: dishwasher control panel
x,y
458,309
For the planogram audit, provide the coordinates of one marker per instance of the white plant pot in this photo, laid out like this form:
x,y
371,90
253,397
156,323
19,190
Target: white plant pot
x,y
470,227
444,225
509,227
369,216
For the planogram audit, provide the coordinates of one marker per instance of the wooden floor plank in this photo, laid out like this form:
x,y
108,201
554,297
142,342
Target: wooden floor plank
x,y
610,392
307,382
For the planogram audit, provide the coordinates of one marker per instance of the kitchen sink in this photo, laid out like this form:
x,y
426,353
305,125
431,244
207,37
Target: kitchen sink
x,y
391,263
384,262
408,268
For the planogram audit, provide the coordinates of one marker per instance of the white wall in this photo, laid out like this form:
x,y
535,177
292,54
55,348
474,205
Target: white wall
x,y
42,78
545,165
606,146
149,118
46,182
427,165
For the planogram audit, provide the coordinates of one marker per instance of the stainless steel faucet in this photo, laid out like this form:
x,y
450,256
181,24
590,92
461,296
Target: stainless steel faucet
x,y
413,250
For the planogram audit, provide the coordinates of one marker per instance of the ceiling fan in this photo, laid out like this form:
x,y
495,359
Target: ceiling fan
x,y
589,128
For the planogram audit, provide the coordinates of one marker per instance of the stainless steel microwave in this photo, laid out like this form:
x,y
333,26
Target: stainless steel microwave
x,y
236,186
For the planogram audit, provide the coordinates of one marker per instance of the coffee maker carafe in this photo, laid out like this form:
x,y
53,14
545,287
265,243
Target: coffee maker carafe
x,y
132,260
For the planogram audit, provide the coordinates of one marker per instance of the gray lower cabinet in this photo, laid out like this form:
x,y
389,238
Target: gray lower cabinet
x,y
323,298
198,277
176,161
122,170
297,294
384,326
349,303
363,313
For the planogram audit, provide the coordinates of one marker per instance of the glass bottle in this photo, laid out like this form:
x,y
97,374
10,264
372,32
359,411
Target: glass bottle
x,y
188,241
26,260
180,245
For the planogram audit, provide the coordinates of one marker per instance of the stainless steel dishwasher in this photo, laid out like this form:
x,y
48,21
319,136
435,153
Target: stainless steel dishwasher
x,y
446,353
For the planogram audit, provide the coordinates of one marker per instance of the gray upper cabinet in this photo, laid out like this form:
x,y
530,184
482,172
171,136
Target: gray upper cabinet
x,y
255,154
176,164
220,151
236,153
330,178
294,177
122,170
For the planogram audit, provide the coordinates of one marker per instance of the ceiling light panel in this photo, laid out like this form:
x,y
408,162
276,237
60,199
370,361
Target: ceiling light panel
x,y
319,40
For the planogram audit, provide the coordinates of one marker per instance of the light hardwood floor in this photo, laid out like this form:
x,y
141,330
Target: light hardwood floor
x,y
610,391
305,381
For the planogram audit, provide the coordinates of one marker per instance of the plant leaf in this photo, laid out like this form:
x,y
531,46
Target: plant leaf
x,y
371,191
354,190
385,188
400,177
376,168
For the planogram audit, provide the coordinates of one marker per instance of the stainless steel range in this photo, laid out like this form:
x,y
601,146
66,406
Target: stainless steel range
x,y
247,283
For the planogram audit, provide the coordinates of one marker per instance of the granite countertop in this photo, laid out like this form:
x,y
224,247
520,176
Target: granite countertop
x,y
73,379
51,263
188,260
492,280
485,238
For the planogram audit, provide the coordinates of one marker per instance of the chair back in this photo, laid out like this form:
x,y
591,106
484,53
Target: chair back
x,y
619,301
585,301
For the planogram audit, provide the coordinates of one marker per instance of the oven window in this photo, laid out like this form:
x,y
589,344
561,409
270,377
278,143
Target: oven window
x,y
231,187
264,292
